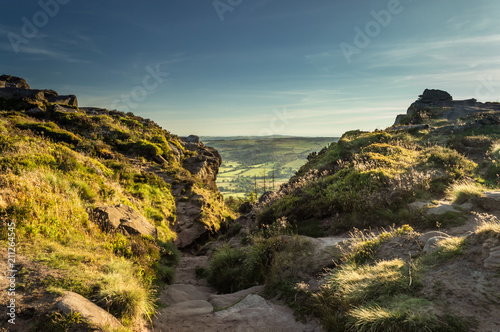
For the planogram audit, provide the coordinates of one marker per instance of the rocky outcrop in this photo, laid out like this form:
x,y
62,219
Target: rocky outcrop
x,y
8,81
122,219
438,104
96,316
431,95
17,92
69,100
205,165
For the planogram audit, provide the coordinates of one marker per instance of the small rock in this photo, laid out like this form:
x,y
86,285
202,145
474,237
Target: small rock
x,y
226,300
432,244
426,236
72,302
415,206
442,209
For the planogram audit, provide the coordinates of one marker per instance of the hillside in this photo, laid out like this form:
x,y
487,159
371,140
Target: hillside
x,y
391,230
92,201
247,160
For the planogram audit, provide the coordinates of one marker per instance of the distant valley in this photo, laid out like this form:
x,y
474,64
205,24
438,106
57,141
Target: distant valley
x,y
252,162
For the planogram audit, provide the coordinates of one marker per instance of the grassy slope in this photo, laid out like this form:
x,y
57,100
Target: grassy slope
x,y
367,180
55,167
246,158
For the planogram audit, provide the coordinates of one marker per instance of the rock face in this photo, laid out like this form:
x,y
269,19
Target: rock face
x,y
207,162
72,302
122,219
187,225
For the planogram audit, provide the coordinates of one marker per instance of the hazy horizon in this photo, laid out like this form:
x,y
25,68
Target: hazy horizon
x,y
262,67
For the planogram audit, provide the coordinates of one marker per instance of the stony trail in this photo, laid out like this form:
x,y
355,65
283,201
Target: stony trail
x,y
194,306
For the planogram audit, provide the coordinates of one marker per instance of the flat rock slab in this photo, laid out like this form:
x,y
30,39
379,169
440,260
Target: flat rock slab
x,y
189,308
95,315
178,293
254,313
490,201
226,300
442,209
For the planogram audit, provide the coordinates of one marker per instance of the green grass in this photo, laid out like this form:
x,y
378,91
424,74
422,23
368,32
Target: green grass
x,y
465,191
55,169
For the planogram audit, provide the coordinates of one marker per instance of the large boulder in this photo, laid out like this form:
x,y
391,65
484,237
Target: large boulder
x,y
72,302
122,219
8,81
63,100
431,95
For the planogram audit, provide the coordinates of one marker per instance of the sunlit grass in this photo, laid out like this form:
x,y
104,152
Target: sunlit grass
x,y
465,191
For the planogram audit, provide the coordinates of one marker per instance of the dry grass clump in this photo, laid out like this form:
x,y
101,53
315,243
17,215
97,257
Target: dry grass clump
x,y
466,190
489,225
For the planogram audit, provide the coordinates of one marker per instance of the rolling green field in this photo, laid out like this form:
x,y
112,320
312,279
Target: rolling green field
x,y
251,163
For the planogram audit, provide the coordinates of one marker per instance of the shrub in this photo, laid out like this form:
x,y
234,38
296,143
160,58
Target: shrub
x,y
227,270
51,130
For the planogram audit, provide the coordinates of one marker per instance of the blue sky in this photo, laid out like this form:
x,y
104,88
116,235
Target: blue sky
x,y
266,67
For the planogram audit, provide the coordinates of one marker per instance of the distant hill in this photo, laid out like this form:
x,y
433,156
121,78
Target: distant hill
x,y
207,139
269,161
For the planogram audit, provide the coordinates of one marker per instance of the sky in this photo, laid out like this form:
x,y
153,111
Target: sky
x,y
255,67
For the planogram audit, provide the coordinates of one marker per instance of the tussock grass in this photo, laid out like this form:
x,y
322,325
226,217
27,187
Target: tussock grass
x,y
465,191
404,313
123,294
489,225
363,246
355,284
